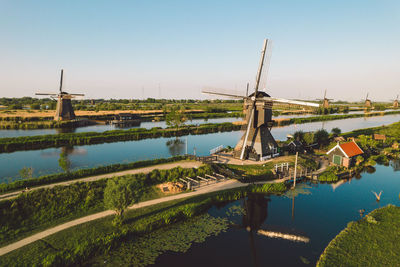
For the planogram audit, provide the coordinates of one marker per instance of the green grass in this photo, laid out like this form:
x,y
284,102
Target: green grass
x,y
264,171
372,241
77,244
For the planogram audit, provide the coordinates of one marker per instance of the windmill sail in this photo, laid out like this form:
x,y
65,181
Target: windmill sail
x,y
257,142
266,59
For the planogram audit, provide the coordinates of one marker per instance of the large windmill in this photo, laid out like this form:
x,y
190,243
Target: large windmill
x,y
325,101
257,141
368,102
64,110
396,102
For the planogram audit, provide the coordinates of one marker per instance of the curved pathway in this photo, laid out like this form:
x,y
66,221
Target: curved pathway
x,y
229,184
165,166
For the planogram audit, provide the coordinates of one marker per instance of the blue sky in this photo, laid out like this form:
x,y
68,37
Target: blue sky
x,y
120,49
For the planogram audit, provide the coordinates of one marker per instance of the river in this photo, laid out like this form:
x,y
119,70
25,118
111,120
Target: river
x,y
46,161
316,214
146,124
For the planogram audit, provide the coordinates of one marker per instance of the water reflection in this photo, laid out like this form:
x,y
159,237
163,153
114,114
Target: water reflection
x,y
255,213
65,130
395,165
176,146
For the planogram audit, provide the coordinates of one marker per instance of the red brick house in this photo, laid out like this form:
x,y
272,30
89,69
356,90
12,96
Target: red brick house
x,y
344,154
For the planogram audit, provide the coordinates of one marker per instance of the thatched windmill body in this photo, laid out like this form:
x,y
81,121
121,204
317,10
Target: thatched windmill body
x,y
257,141
64,109
396,102
368,102
325,101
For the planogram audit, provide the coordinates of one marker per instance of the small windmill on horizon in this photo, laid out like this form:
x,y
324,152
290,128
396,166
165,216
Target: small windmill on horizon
x,y
325,101
64,109
257,143
396,102
368,102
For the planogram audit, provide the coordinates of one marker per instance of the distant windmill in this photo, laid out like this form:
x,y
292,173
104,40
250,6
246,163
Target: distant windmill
x,y
368,103
64,110
325,101
396,102
257,142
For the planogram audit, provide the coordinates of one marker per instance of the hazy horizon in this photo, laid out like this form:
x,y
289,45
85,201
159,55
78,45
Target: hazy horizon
x,y
173,49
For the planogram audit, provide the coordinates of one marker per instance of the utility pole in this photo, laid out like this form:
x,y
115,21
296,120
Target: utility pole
x,y
295,170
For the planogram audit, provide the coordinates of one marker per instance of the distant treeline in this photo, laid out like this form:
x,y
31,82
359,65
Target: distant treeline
x,y
333,117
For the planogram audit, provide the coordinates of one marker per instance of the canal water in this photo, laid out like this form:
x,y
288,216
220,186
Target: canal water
x,y
108,127
146,125
47,161
318,213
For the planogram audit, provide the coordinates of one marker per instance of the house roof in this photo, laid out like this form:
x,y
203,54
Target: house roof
x,y
350,149
379,137
296,143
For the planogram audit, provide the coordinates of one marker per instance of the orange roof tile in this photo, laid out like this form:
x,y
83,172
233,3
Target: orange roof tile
x,y
351,149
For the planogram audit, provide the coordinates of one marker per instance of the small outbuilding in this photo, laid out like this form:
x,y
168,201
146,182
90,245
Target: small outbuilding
x,y
344,154
295,146
380,137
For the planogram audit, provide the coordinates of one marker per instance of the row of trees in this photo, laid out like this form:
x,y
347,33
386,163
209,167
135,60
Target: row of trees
x,y
321,137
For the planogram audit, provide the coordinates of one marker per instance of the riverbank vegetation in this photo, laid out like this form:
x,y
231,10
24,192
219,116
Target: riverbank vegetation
x,y
371,241
42,208
87,138
67,176
76,245
264,172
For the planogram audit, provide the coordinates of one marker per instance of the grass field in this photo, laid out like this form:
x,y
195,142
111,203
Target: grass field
x,y
372,241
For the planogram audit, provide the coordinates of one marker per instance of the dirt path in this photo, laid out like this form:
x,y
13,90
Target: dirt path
x,y
229,184
183,164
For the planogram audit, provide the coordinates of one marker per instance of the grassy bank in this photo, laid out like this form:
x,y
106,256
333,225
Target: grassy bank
x,y
372,241
75,245
263,172
43,208
67,176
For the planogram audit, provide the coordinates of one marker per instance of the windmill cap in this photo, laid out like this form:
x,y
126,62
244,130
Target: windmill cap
x,y
260,94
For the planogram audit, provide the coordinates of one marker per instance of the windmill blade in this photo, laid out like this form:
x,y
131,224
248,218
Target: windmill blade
x,y
325,94
290,102
220,92
262,74
247,133
77,94
61,80
45,94
367,96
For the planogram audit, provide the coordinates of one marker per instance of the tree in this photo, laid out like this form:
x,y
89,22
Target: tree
x,y
336,131
119,194
176,117
321,137
309,138
26,173
35,106
298,135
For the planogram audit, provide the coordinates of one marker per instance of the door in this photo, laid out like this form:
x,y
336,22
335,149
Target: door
x,y
337,159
